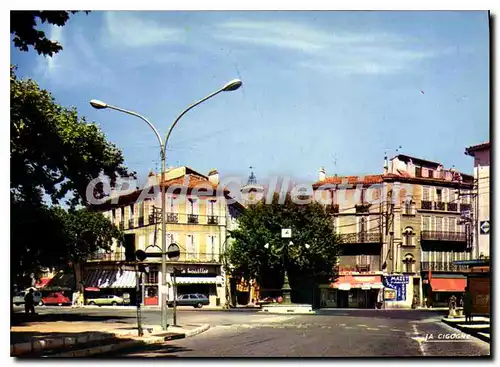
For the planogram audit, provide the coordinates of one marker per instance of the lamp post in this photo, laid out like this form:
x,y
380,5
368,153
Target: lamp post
x,y
286,290
230,86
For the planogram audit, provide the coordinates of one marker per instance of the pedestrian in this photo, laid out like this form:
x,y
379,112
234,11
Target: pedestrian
x,y
467,305
29,303
452,304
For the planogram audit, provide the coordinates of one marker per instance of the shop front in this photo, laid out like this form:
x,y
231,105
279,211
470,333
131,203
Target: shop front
x,y
352,291
441,287
107,281
202,279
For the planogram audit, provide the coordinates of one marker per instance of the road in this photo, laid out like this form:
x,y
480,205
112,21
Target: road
x,y
332,333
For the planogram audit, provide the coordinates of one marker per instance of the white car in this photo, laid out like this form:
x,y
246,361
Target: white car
x,y
19,297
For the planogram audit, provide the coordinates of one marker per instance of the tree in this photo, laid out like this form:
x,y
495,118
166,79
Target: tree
x,y
311,224
23,25
54,153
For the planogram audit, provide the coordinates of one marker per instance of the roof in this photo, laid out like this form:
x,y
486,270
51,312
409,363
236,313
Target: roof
x,y
475,148
193,182
418,161
350,180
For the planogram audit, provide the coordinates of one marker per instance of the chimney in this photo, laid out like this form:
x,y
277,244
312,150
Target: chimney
x,y
213,177
385,164
322,174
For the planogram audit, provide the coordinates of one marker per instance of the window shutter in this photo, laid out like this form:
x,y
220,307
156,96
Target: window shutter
x,y
439,224
426,223
425,193
446,198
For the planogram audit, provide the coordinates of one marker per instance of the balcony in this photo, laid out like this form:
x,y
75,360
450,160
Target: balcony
x,y
440,205
426,205
151,218
361,237
212,219
409,210
192,218
102,256
131,223
452,207
440,266
443,236
173,218
122,225
362,208
465,207
332,209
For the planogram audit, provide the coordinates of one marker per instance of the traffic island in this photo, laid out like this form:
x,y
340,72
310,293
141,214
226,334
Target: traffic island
x,y
479,327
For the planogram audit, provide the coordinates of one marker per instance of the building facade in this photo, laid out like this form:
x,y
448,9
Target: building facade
x,y
481,203
197,217
400,232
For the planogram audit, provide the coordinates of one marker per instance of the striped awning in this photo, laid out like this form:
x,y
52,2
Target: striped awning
x,y
99,278
196,280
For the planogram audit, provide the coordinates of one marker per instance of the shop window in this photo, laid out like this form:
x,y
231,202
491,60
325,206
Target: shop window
x,y
409,262
152,277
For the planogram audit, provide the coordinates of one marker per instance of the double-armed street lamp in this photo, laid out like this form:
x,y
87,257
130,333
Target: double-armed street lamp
x,y
230,86
283,252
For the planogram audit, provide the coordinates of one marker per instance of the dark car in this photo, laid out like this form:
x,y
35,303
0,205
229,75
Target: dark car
x,y
196,300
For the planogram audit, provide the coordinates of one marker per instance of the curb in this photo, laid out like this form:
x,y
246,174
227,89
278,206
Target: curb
x,y
477,334
129,343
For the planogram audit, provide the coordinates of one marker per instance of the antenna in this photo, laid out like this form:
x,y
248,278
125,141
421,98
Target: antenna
x,y
334,164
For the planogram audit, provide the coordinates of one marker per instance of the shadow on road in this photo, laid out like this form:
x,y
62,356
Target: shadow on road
x,y
20,319
152,350
382,314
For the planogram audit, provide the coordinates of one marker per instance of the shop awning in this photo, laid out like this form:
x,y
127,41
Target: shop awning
x,y
346,282
42,282
196,280
60,282
99,278
448,284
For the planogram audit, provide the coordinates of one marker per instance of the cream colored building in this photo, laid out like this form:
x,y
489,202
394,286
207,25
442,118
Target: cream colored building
x,y
198,218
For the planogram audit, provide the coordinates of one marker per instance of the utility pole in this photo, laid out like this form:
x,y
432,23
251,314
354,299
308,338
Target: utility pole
x,y
470,220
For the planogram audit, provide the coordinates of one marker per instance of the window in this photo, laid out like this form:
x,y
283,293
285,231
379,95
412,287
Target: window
x,y
418,171
408,263
131,211
426,223
211,206
425,193
152,277
431,173
113,215
122,213
140,209
439,224
453,224
439,195
212,247
408,235
191,247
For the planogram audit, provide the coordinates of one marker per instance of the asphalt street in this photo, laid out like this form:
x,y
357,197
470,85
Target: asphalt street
x,y
331,333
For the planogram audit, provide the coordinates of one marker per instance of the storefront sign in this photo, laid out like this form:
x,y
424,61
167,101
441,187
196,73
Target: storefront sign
x,y
195,271
398,284
390,295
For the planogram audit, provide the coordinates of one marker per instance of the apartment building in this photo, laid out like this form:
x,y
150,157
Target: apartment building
x,y
400,232
197,215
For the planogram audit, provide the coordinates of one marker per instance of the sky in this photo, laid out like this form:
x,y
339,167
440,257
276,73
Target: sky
x,y
320,88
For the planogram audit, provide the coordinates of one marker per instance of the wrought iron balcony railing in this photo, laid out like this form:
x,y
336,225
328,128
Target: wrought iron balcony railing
x,y
427,205
452,207
212,219
131,223
151,218
439,205
140,221
443,236
408,209
465,207
193,218
102,256
441,266
172,218
361,237
332,209
362,208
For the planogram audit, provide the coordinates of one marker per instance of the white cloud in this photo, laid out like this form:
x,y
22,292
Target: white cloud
x,y
345,52
126,29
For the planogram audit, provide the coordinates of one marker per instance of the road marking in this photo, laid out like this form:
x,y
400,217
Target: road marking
x,y
363,325
382,326
372,328
342,324
349,327
396,330
419,340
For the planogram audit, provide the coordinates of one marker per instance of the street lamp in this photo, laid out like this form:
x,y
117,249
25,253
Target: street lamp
x,y
228,87
286,290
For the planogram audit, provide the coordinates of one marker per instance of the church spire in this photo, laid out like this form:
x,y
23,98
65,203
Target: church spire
x,y
252,180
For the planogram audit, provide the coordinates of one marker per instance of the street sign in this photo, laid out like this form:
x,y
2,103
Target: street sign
x,y
286,233
484,227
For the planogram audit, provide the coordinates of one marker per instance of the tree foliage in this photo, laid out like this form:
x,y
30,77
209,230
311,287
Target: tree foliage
x,y
262,223
54,154
23,25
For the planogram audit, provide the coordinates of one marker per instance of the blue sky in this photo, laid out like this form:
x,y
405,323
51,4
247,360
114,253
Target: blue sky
x,y
318,86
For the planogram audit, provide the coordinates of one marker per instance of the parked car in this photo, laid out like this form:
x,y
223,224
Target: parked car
x,y
196,300
56,298
106,300
19,297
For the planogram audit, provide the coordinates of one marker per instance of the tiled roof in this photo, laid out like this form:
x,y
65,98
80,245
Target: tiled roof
x,y
350,180
475,148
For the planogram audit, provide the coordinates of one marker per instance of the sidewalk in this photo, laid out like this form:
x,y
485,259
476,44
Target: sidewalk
x,y
76,339
478,327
